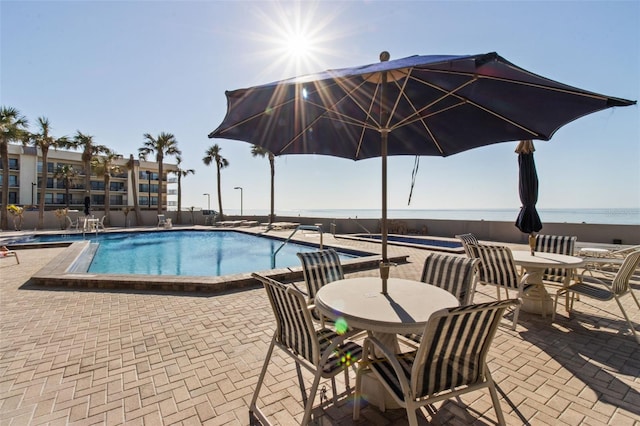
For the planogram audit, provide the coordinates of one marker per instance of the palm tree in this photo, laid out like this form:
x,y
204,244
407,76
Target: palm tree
x,y
131,166
181,173
212,155
68,174
105,166
89,150
13,128
44,141
164,144
258,151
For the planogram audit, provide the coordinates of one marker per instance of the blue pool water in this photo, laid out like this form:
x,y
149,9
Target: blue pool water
x,y
188,253
412,240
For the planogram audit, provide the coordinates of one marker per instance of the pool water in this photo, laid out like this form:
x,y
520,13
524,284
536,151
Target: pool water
x,y
190,253
415,240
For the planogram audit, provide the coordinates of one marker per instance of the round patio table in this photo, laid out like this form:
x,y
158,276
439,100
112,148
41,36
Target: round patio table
x,y
537,299
405,308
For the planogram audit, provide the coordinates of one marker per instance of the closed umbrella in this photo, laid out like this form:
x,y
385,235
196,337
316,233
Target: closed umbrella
x,y
421,105
528,220
87,205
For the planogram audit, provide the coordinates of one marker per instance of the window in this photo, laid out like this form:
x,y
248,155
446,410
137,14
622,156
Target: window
x,y
97,185
116,200
13,181
116,186
13,197
97,199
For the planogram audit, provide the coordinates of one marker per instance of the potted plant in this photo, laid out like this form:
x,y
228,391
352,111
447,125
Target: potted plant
x,y
61,214
18,216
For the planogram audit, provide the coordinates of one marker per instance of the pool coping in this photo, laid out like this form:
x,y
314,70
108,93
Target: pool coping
x,y
60,273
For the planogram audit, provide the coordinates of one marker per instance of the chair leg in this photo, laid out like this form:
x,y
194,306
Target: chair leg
x,y
357,393
303,391
254,399
312,395
633,329
495,400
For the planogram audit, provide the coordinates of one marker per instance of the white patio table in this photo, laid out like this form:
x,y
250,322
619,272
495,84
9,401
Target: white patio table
x,y
405,308
537,299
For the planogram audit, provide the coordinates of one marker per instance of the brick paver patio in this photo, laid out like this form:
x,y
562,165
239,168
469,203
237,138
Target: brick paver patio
x,y
138,358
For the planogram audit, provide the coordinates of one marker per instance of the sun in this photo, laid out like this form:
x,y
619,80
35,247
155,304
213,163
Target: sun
x,y
295,37
298,45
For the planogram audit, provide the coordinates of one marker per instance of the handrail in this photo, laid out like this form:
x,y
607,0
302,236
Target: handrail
x,y
299,227
361,226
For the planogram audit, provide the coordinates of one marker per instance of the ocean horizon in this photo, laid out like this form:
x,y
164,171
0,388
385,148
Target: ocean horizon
x,y
617,216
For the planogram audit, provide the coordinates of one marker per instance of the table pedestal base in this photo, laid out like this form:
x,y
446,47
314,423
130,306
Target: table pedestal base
x,y
536,300
376,394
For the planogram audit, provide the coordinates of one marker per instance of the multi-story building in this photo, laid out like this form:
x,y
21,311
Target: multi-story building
x,y
25,181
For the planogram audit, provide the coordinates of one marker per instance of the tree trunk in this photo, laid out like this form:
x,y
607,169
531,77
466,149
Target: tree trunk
x,y
219,193
134,191
4,152
43,186
107,199
179,214
160,170
66,191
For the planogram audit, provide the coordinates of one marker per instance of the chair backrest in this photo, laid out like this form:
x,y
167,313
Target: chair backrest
x,y
320,268
497,266
559,244
161,219
620,283
454,347
294,326
456,274
468,241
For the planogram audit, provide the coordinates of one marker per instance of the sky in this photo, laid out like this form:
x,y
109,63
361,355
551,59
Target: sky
x,y
119,69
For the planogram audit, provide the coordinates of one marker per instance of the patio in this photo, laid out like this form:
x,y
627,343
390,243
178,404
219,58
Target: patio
x,y
115,357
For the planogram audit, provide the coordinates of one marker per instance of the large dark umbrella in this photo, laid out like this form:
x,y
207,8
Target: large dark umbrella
x,y
420,105
528,220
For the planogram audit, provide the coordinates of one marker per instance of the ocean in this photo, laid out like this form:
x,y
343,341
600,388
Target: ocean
x,y
600,216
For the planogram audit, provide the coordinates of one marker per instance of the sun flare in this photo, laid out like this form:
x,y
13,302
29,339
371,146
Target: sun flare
x,y
295,38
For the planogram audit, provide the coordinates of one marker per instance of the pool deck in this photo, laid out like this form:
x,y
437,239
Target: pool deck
x,y
141,357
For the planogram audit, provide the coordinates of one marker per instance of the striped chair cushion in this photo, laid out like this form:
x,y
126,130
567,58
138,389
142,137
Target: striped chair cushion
x,y
320,268
468,243
556,244
452,353
295,330
294,327
497,266
455,274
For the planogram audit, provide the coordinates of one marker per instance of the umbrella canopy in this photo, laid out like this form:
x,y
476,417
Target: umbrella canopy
x,y
421,105
528,219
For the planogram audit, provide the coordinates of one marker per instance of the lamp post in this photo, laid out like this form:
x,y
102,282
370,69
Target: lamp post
x,y
208,200
33,185
240,188
149,187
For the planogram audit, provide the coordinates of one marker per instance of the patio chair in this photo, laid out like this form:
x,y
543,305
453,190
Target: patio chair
x,y
498,268
468,240
451,359
456,274
319,268
162,221
5,253
73,224
322,352
606,288
559,244
100,225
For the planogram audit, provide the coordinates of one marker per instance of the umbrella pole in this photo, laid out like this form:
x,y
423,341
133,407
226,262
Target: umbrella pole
x,y
384,265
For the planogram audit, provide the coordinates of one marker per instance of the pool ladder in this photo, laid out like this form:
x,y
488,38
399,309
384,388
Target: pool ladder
x,y
316,228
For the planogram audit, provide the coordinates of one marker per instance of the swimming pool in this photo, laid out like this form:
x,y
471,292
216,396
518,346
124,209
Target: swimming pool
x,y
186,253
439,244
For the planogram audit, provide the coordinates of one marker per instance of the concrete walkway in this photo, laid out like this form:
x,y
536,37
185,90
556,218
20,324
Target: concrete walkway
x,y
138,358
